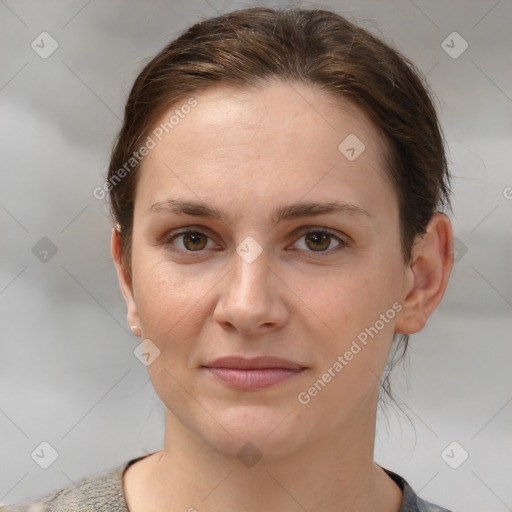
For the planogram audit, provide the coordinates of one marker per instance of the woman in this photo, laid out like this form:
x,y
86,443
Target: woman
x,y
275,190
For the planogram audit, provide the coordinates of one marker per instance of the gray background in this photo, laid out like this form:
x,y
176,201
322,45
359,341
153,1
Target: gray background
x,y
67,369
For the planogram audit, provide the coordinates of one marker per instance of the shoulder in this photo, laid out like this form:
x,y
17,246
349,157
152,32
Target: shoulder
x,y
102,492
411,502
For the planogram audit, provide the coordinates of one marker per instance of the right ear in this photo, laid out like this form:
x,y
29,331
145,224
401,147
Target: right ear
x,y
125,282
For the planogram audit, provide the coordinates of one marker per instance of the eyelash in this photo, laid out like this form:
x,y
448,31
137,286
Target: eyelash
x,y
167,241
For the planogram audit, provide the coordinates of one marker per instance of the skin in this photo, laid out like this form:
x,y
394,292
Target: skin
x,y
247,152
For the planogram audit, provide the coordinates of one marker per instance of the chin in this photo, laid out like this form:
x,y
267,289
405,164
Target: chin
x,y
257,431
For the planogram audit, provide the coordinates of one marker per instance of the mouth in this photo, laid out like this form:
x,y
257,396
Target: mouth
x,y
252,374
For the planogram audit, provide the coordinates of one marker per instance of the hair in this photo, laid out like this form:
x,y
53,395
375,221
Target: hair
x,y
253,47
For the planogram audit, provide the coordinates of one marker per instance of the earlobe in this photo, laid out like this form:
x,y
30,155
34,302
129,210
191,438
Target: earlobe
x,y
125,282
427,275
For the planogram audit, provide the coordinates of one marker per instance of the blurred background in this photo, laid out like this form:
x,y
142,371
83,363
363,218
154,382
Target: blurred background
x,y
68,374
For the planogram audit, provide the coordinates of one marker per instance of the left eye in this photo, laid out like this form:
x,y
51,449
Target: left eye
x,y
320,241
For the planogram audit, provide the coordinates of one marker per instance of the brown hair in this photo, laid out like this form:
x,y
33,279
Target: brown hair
x,y
253,46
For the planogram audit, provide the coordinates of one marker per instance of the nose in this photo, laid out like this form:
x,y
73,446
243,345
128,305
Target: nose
x,y
252,299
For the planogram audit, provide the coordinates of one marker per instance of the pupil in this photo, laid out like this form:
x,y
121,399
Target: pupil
x,y
195,238
319,237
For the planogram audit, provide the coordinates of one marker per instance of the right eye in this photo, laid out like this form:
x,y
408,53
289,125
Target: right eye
x,y
190,241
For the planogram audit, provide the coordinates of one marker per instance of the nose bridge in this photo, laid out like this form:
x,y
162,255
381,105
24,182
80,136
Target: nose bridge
x,y
250,298
250,276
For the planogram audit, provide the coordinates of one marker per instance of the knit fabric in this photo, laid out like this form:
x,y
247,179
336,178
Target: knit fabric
x,y
104,493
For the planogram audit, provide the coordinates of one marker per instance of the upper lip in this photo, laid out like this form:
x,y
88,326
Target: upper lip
x,y
254,363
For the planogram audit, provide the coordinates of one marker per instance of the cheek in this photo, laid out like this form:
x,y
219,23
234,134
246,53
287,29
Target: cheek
x,y
355,307
169,307
166,298
355,353
353,299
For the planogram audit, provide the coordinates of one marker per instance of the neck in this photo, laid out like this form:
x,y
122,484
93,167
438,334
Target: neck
x,y
336,473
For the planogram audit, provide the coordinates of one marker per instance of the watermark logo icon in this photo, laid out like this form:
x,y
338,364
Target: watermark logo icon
x,y
249,455
454,455
146,352
44,250
351,147
44,45
454,45
44,455
459,249
249,249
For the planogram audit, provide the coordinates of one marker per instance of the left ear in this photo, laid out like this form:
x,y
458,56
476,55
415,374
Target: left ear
x,y
427,274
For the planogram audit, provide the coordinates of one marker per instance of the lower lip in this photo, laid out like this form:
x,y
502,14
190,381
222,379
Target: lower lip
x,y
252,379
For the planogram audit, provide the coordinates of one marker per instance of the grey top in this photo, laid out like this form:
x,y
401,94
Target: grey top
x,y
104,493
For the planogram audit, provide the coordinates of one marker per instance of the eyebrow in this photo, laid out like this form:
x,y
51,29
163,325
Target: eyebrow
x,y
286,212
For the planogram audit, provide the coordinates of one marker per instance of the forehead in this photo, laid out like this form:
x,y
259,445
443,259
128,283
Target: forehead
x,y
279,111
256,144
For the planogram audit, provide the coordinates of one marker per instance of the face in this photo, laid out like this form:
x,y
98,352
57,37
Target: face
x,y
257,235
